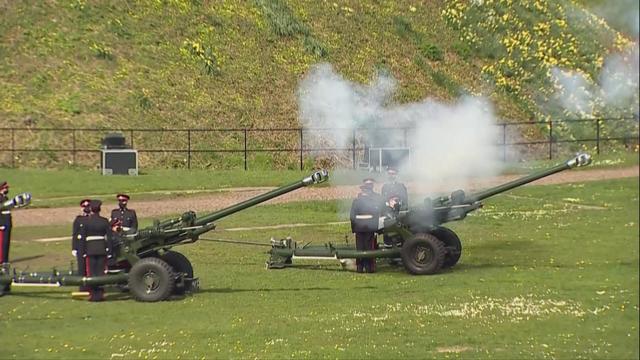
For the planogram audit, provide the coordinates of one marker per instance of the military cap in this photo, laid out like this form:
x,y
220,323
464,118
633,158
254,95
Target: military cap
x,y
123,197
4,185
95,205
84,203
367,183
392,170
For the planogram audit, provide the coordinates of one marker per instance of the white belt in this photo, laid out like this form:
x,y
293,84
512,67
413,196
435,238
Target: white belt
x,y
364,216
89,238
124,228
2,227
6,212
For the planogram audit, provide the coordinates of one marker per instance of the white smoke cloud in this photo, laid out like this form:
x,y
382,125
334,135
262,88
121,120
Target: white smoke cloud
x,y
576,94
450,143
326,100
619,78
614,89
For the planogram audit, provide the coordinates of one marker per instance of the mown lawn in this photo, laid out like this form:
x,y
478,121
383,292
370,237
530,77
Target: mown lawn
x,y
547,272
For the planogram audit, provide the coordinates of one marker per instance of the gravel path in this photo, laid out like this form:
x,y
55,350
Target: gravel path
x,y
214,201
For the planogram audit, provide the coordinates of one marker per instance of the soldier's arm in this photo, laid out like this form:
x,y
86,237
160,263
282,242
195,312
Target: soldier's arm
x,y
74,234
354,209
134,224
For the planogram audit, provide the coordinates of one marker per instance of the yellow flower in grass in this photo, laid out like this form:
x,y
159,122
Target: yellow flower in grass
x,y
621,42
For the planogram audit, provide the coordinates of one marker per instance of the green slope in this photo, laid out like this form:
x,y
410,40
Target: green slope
x,y
236,63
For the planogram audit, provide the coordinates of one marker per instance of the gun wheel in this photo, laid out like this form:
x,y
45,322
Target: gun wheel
x,y
453,246
151,279
423,254
180,265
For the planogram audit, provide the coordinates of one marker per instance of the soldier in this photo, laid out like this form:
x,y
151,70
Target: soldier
x,y
365,214
76,238
5,232
394,192
127,217
395,188
95,246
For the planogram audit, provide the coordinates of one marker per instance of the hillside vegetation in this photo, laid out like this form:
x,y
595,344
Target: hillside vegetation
x,y
237,63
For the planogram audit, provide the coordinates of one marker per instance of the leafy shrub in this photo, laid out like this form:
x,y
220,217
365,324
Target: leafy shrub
x,y
101,51
431,52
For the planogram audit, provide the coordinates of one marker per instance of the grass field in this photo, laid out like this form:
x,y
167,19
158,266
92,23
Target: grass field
x,y
547,272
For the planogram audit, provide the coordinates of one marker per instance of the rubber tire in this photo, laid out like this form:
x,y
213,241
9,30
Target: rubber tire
x,y
451,242
164,274
180,264
411,251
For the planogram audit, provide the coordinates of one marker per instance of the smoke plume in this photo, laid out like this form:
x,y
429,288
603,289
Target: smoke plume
x,y
615,89
449,143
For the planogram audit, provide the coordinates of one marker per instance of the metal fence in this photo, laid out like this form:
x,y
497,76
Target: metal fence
x,y
81,145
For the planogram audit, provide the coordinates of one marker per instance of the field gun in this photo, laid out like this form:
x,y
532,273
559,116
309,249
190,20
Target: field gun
x,y
143,260
419,239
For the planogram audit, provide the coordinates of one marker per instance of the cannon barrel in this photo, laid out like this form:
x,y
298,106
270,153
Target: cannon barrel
x,y
164,234
315,178
577,161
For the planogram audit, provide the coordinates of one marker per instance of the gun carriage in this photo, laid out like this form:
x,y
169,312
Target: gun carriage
x,y
420,239
145,262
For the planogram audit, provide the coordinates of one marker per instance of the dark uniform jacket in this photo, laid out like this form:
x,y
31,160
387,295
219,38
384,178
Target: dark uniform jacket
x,y
365,212
96,235
76,236
396,189
5,214
127,217
5,218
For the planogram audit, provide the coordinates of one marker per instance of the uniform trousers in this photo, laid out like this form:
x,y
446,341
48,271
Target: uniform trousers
x,y
5,241
366,241
82,269
95,265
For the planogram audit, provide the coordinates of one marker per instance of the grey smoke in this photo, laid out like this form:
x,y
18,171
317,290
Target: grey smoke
x,y
625,12
615,88
450,143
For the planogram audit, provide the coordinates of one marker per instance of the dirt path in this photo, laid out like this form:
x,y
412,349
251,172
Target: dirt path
x,y
215,201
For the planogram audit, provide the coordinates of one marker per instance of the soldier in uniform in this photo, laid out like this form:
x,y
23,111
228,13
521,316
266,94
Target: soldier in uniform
x,y
76,238
5,232
395,188
365,214
95,246
395,195
127,217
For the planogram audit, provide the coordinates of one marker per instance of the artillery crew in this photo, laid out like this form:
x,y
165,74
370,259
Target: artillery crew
x,y
365,215
76,238
126,218
96,238
394,188
5,232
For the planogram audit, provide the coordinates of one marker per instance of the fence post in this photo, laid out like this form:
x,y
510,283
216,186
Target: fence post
x,y
131,134
404,142
189,149
73,153
301,147
550,139
13,148
598,136
245,149
504,142
353,148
